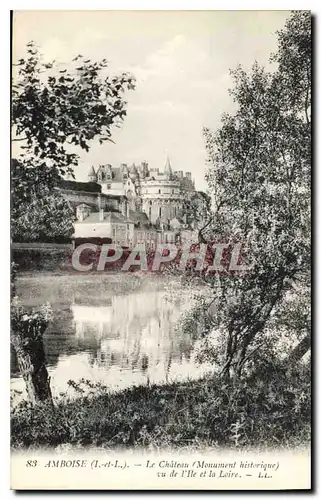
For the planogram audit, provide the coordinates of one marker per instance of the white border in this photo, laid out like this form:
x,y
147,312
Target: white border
x,y
314,6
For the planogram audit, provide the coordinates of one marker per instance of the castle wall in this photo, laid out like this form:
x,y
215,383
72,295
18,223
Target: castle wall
x,y
159,194
77,197
106,202
161,209
114,188
161,200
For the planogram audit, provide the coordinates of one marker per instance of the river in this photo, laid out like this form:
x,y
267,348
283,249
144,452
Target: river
x,y
109,330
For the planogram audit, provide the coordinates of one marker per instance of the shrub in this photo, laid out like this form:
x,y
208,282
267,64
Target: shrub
x,y
91,187
261,413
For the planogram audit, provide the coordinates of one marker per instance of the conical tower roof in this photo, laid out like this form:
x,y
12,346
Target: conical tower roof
x,y
133,172
91,171
168,167
133,169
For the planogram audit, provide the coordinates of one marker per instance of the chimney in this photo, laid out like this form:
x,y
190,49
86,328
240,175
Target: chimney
x,y
101,214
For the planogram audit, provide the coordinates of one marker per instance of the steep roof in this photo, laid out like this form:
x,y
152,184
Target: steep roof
x,y
94,218
168,167
91,171
140,217
83,205
117,174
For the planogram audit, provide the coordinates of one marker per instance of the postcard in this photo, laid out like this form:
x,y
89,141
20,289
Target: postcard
x,y
161,246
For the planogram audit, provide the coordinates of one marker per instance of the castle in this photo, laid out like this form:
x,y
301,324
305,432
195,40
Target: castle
x,y
159,195
133,205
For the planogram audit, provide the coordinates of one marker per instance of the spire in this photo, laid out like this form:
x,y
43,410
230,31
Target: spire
x,y
133,172
92,177
168,167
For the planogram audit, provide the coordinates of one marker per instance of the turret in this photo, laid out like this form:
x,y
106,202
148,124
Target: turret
x,y
124,171
144,169
168,168
133,172
92,176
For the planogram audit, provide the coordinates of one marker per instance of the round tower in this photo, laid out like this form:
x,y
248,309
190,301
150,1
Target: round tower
x,y
162,199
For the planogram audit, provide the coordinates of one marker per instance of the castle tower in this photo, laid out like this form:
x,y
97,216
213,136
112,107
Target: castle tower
x,y
144,169
161,195
133,173
168,168
92,177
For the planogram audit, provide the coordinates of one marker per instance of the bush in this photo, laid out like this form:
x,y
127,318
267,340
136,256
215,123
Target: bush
x,y
91,187
273,412
42,259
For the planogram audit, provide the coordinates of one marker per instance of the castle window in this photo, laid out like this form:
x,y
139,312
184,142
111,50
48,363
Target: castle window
x,y
160,211
108,186
159,191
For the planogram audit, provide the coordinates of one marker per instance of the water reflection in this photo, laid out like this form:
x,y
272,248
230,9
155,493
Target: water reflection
x,y
120,340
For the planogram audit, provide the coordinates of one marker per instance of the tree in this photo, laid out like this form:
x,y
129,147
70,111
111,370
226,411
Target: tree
x,y
197,209
259,175
38,211
54,112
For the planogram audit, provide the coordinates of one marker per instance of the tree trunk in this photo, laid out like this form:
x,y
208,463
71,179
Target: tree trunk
x,y
299,351
31,361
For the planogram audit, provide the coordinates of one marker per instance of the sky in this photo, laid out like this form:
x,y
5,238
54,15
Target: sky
x,y
181,62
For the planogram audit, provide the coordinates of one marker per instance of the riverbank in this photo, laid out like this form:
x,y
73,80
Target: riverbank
x,y
269,413
35,287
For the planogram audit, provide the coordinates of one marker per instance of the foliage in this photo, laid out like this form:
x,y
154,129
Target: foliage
x,y
91,187
54,107
29,323
264,412
55,113
54,260
259,165
197,209
38,211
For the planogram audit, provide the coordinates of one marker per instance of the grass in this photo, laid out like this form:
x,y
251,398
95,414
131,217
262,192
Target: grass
x,y
271,412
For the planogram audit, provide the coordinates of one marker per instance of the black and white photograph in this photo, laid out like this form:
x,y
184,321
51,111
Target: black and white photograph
x,y
160,250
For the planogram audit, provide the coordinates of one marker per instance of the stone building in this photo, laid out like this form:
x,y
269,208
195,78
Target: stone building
x,y
113,225
131,205
159,195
